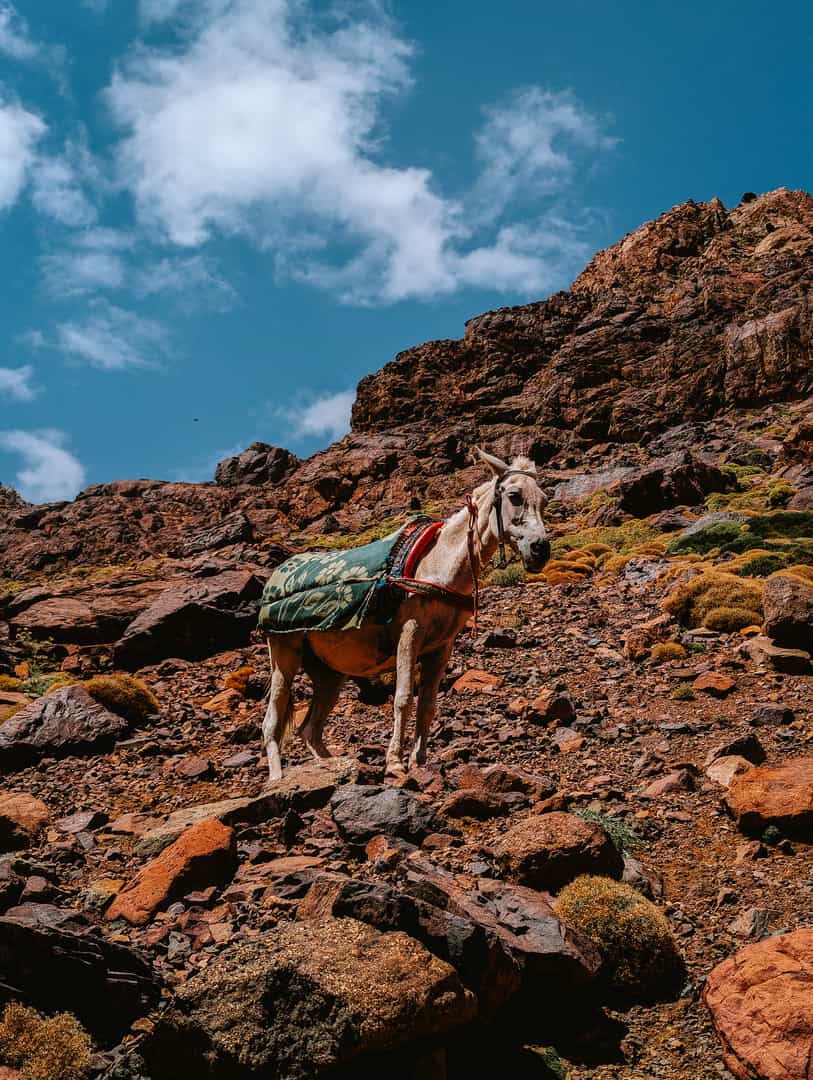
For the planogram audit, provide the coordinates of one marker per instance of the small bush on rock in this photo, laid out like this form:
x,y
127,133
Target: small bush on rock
x,y
665,651
124,695
45,1048
623,836
641,957
683,693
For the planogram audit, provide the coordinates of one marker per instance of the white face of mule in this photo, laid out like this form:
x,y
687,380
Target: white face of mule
x,y
522,504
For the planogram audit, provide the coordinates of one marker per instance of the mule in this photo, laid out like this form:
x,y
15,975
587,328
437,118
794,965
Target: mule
x,y
505,509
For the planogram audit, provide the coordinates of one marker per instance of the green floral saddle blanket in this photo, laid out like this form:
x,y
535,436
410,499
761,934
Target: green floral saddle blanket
x,y
340,590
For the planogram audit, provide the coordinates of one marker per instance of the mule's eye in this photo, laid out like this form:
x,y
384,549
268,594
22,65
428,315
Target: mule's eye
x,y
515,498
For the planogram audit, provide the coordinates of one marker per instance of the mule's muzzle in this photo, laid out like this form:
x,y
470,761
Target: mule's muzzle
x,y
540,553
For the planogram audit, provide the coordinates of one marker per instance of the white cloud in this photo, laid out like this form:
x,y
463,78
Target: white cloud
x,y
19,132
17,384
15,40
50,473
112,339
527,145
193,279
56,192
264,121
70,273
327,415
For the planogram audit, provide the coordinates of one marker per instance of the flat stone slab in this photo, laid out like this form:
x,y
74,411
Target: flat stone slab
x,y
774,795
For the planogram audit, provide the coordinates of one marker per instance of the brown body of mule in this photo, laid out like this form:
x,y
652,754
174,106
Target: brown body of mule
x,y
423,630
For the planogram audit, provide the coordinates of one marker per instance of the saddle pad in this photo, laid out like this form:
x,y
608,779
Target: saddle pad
x,y
336,590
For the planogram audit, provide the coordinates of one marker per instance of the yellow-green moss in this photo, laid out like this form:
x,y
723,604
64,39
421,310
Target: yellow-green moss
x,y
728,620
665,651
640,954
10,682
692,601
124,695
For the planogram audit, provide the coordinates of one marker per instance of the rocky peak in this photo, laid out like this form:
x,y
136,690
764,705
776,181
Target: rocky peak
x,y
259,463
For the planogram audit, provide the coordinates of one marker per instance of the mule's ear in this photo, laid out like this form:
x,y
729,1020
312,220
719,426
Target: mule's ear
x,y
497,465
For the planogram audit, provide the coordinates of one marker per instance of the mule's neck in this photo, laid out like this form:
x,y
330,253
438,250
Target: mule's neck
x,y
447,562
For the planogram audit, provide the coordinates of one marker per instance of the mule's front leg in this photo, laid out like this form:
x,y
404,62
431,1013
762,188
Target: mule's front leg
x,y
406,658
432,667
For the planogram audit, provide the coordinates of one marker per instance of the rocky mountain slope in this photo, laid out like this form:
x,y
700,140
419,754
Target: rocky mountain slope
x,y
640,710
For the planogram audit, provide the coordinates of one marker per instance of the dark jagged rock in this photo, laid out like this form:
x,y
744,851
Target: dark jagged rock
x,y
106,985
362,812
259,463
66,721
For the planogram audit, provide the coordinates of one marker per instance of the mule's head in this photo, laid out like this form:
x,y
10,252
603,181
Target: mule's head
x,y
519,500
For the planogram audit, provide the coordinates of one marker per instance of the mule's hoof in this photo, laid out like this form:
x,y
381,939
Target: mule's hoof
x,y
395,770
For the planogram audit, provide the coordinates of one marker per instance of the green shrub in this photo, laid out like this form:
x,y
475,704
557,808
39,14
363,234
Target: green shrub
x,y
618,538
45,1048
124,695
640,954
623,836
683,692
513,574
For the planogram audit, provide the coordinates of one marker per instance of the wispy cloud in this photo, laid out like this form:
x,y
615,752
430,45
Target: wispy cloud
x,y
267,121
49,471
15,39
56,192
327,415
17,383
107,337
20,131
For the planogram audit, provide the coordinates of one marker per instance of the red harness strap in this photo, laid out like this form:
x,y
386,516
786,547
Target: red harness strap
x,y
417,587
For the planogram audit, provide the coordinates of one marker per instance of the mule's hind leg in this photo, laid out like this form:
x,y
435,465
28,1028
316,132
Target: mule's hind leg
x,y
326,687
285,654
433,665
406,658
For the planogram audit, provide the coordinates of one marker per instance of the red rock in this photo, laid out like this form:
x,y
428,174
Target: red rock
x,y
549,706
480,681
712,682
672,784
474,803
547,851
201,856
22,817
774,795
194,768
762,1008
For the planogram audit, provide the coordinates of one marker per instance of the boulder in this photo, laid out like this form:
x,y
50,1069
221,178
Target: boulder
x,y
506,942
746,745
546,851
258,464
66,721
788,606
203,855
362,812
306,999
714,683
63,618
764,653
22,817
762,1008
681,478
774,795
302,787
106,985
193,620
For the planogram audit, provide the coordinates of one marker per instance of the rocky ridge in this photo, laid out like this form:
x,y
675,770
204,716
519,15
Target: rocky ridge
x,y
639,711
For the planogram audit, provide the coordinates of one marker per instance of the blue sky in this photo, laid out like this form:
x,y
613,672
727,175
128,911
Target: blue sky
x,y
215,217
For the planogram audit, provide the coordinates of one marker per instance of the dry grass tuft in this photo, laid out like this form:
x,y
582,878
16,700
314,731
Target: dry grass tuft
x,y
729,620
124,695
238,680
10,682
694,600
45,1048
665,651
641,956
